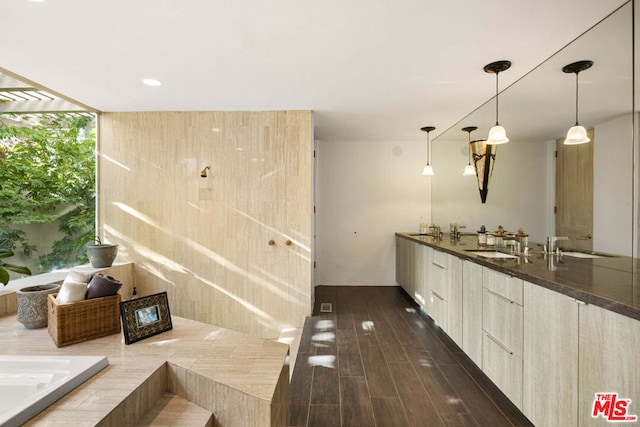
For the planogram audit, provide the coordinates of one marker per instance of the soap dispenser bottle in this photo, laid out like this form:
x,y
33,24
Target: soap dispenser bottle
x,y
482,237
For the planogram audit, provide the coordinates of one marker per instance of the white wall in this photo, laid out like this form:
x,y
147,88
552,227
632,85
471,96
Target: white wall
x,y
518,192
365,192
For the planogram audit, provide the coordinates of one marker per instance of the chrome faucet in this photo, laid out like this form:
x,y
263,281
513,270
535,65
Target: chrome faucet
x,y
551,243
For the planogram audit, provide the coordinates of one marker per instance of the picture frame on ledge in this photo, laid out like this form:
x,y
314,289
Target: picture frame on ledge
x,y
145,316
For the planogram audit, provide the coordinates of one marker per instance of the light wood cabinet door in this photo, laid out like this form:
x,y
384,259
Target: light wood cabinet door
x,y
410,268
503,284
503,367
502,319
438,309
472,311
416,269
454,306
420,288
439,279
609,361
550,356
502,324
405,264
401,261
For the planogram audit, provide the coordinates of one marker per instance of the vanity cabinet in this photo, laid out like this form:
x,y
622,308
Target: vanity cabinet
x,y
444,287
402,262
472,311
502,340
410,268
549,353
608,361
550,377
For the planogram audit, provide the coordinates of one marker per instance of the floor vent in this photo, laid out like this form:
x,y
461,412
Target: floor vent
x,y
326,307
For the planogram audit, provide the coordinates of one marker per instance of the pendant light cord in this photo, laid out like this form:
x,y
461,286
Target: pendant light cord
x,y
497,98
577,98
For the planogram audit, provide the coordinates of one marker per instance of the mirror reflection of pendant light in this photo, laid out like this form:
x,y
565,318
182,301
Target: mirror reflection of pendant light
x,y
428,170
469,170
484,156
577,134
497,134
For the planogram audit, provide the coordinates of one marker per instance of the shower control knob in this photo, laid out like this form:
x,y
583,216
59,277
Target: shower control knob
x,y
272,242
288,243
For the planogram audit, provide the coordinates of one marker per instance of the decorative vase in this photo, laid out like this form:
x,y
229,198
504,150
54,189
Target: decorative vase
x,y
32,305
102,255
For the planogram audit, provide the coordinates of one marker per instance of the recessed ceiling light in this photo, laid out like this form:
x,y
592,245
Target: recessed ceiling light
x,y
151,82
37,1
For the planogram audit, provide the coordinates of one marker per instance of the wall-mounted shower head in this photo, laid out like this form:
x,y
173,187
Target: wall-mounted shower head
x,y
203,172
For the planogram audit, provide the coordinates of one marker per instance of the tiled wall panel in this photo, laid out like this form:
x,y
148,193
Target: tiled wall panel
x,y
206,240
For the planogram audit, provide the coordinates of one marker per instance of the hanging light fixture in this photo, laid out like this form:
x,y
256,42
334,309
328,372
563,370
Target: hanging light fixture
x,y
497,134
428,170
577,134
484,157
469,170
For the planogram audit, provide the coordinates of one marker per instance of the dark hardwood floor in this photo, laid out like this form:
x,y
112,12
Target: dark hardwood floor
x,y
376,361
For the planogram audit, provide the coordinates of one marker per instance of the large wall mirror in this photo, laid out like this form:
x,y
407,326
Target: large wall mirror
x,y
537,111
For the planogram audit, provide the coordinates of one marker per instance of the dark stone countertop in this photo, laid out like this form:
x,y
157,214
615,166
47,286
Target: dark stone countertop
x,y
610,282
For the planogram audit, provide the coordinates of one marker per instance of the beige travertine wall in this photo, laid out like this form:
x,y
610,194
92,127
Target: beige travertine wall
x,y
206,240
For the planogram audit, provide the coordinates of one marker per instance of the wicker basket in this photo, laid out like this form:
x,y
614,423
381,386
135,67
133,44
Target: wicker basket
x,y
83,320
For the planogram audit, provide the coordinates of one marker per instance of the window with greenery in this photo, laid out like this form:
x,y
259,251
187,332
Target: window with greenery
x,y
47,176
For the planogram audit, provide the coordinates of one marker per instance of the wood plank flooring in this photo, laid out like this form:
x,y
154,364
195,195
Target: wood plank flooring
x,y
377,361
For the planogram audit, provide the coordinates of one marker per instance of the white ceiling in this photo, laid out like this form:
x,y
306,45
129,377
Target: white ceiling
x,y
370,70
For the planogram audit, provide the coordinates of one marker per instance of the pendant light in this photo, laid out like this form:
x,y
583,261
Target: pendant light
x,y
469,170
577,134
428,170
497,134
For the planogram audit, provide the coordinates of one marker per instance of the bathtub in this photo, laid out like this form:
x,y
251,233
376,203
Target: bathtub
x,y
29,384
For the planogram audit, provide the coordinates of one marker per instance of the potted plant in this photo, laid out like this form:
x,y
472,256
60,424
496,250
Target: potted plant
x,y
7,252
101,254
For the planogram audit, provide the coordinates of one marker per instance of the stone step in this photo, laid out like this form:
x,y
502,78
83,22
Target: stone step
x,y
173,410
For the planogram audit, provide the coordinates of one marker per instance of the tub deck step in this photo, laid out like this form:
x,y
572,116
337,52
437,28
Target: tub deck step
x,y
173,410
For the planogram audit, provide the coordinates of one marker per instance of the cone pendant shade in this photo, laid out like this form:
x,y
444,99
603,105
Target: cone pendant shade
x,y
484,156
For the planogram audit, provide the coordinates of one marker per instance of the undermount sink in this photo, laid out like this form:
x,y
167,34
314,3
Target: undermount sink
x,y
585,255
490,253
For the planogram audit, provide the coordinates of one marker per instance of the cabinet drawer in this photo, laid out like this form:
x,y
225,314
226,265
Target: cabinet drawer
x,y
438,309
503,320
503,367
440,259
439,279
503,284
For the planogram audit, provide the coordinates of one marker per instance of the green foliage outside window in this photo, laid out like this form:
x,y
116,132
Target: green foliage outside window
x,y
47,175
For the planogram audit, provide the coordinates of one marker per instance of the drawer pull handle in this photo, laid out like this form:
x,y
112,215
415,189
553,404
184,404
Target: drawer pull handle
x,y
439,266
442,299
498,295
495,340
576,300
